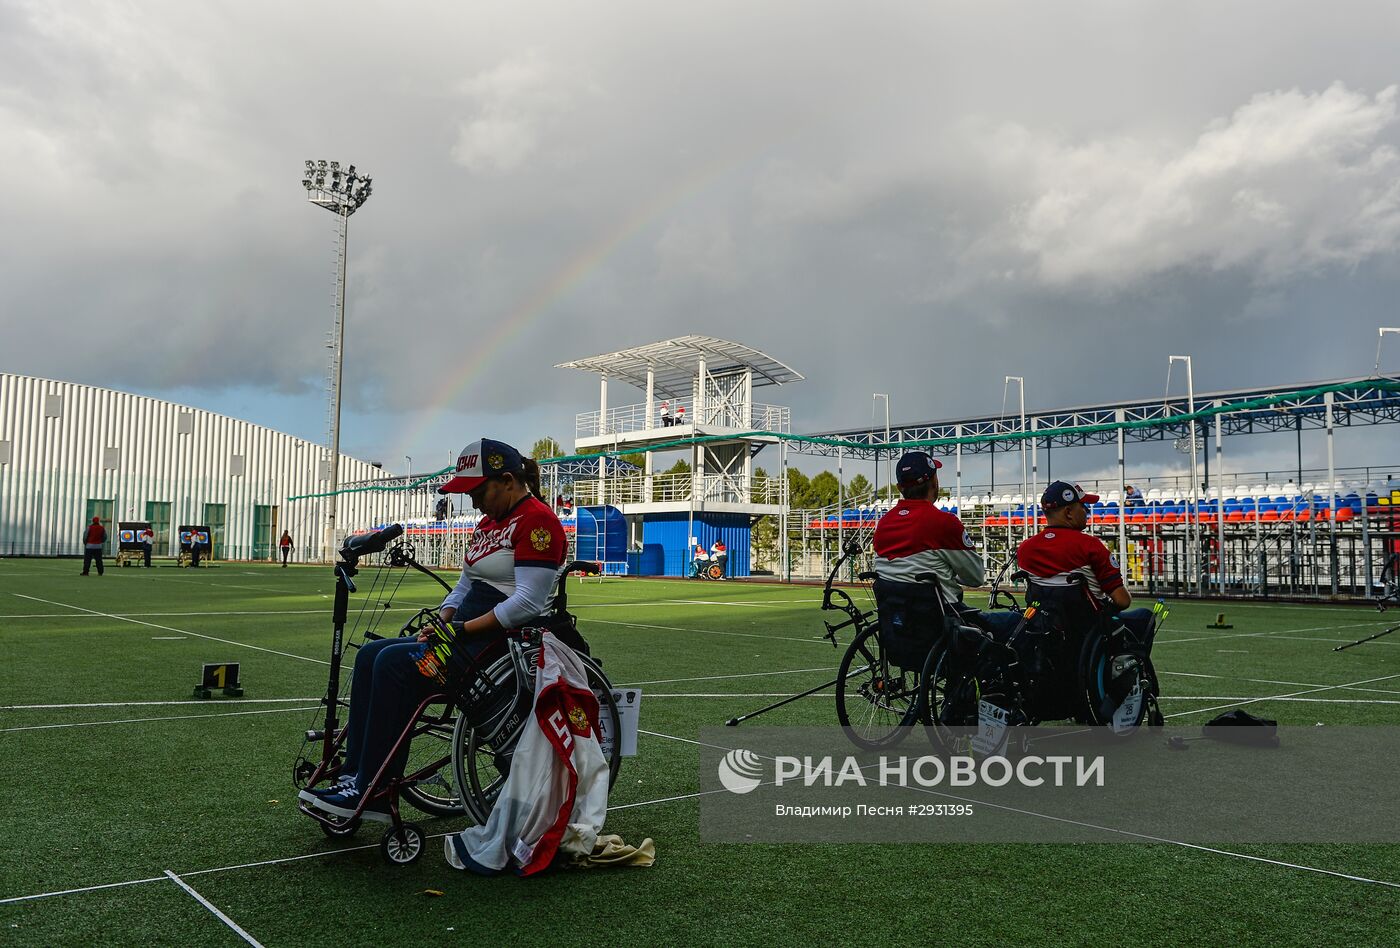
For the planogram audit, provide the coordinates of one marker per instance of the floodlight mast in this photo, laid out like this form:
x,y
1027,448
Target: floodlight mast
x,y
1191,551
341,193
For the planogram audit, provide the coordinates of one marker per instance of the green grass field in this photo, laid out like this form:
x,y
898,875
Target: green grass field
x,y
112,775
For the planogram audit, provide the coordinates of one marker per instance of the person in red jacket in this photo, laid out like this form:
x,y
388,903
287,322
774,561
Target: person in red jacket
x,y
1062,555
94,539
915,537
509,571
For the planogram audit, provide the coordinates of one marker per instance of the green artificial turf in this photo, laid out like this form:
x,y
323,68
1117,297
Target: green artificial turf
x,y
203,788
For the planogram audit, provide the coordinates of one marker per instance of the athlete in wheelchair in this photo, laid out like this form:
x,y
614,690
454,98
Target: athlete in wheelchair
x,y
474,655
1075,651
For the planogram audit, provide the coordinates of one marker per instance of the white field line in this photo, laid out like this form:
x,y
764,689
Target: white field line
x,y
1276,681
1342,641
1295,694
156,615
166,628
672,681
237,930
816,640
141,704
1217,637
1107,829
611,809
783,694
170,717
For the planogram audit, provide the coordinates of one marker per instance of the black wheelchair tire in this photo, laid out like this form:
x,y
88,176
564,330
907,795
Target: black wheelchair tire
x,y
855,704
479,781
1092,665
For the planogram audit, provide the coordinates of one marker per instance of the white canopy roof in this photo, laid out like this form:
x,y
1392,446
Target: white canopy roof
x,y
675,362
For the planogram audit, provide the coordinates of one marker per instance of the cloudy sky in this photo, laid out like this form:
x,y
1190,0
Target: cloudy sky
x,y
915,198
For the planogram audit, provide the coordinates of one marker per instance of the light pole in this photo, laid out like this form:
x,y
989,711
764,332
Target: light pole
x,y
341,193
889,461
1025,492
1191,409
1380,338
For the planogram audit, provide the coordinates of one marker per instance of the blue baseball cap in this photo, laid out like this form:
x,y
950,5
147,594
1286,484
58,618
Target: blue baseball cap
x,y
916,467
481,460
1062,494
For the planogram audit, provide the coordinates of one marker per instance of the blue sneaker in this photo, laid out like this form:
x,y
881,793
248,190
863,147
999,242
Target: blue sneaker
x,y
312,794
343,803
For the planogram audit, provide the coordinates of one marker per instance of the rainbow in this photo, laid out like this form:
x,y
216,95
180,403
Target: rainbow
x,y
538,302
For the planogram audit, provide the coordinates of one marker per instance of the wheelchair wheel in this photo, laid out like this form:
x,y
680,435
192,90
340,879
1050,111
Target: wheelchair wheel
x,y
337,828
430,751
483,745
403,849
948,698
1099,667
714,572
876,702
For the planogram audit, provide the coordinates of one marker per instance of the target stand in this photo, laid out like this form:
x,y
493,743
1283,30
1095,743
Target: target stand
x,y
222,676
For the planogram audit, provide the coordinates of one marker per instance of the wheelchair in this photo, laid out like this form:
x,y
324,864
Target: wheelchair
x,y
1065,657
876,695
706,569
461,737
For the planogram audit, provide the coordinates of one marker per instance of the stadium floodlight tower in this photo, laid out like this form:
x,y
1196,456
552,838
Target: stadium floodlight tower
x,y
1191,551
342,193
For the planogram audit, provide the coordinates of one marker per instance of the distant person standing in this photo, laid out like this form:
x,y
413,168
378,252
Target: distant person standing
x,y
94,539
147,539
195,546
719,555
285,545
666,419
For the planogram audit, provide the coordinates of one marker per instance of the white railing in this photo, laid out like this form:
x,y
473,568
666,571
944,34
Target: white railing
x,y
678,488
629,418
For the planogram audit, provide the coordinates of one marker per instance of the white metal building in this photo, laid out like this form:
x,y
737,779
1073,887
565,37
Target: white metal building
x,y
69,452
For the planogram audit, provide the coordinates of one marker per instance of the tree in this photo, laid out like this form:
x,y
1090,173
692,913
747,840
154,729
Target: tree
x,y
798,486
823,491
680,467
859,487
637,459
546,448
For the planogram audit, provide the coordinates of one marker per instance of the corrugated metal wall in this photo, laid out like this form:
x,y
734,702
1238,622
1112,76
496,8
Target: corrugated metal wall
x,y
62,444
669,530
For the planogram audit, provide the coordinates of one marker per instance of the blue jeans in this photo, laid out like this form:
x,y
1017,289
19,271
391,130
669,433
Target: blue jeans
x,y
385,689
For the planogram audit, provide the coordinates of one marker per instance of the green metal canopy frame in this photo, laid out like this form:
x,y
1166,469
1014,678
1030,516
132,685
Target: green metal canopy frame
x,y
861,447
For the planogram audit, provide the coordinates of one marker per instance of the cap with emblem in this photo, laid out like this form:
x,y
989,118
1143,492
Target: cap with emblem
x,y
1062,494
480,460
916,467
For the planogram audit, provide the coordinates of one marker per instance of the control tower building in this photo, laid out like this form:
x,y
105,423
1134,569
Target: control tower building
x,y
698,408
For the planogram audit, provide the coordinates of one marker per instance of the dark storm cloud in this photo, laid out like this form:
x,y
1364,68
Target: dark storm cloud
x,y
913,199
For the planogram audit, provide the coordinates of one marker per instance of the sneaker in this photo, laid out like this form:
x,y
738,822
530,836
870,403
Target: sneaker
x,y
344,803
343,782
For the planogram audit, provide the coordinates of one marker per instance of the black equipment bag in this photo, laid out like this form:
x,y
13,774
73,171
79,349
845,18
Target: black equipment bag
x,y
912,620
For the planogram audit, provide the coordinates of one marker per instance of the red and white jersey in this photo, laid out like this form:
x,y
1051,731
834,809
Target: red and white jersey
x,y
916,537
556,796
530,535
1057,553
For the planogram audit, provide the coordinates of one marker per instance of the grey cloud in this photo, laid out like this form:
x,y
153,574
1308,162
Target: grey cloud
x,y
908,198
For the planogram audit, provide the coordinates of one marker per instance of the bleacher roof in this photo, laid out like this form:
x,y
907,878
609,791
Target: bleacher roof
x,y
674,363
1301,405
